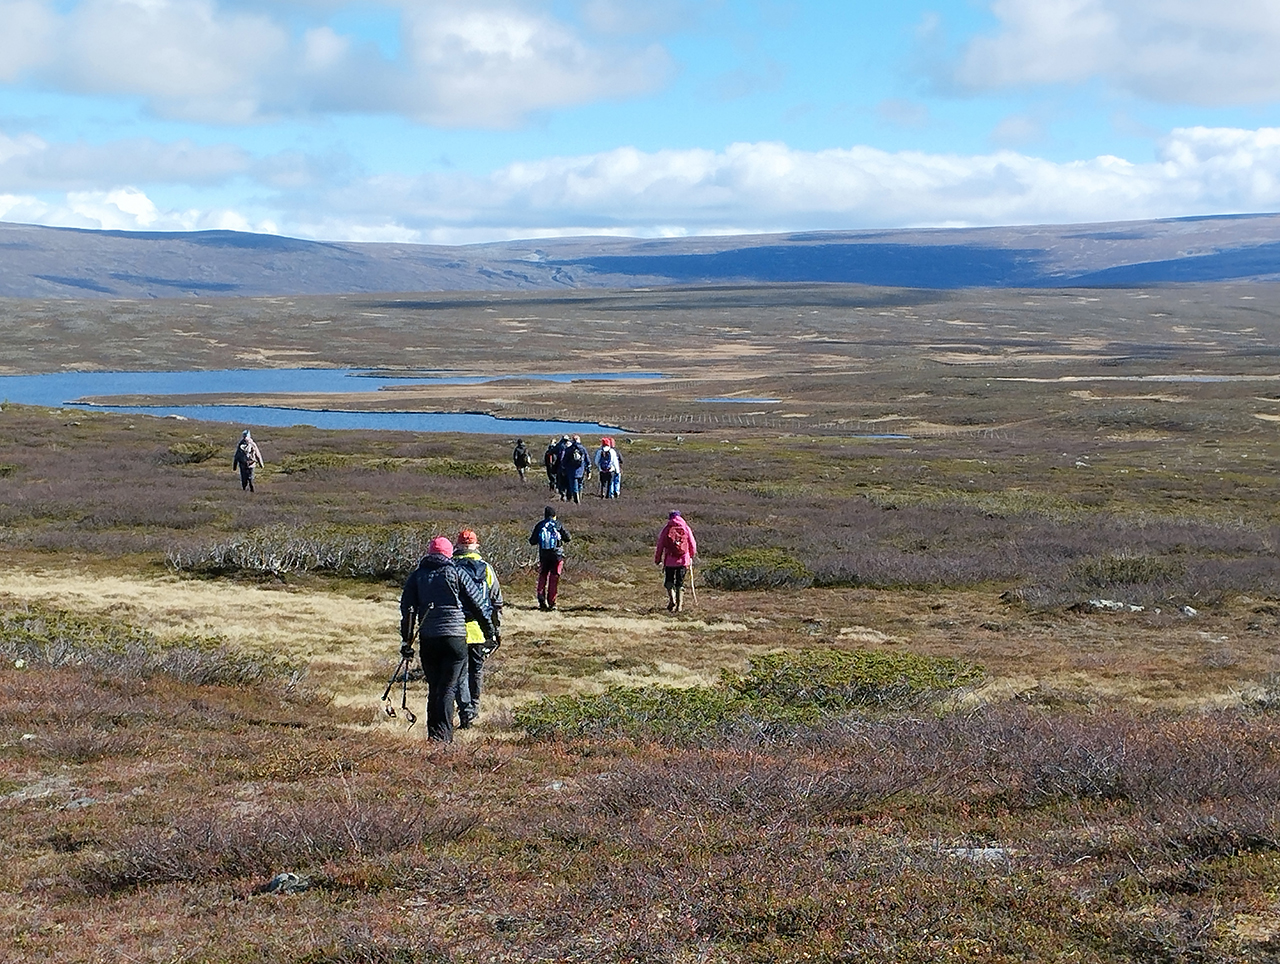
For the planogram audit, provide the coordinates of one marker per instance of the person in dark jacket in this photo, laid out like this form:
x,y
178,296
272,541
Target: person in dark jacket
x,y
573,468
549,536
466,556
550,462
440,597
520,458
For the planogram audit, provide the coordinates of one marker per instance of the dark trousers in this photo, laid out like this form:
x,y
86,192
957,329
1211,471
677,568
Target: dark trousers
x,y
470,683
444,660
246,478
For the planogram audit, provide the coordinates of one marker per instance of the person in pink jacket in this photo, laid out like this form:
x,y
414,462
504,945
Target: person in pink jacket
x,y
674,552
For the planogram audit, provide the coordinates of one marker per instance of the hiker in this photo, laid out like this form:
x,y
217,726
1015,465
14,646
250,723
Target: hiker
x,y
609,462
520,457
549,536
441,597
550,461
600,461
564,471
674,552
574,466
247,456
466,556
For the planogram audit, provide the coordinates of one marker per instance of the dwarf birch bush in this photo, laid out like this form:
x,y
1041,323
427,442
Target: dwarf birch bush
x,y
368,553
39,638
779,690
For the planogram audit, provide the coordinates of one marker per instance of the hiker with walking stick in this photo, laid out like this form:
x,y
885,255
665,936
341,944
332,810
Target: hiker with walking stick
x,y
440,597
674,552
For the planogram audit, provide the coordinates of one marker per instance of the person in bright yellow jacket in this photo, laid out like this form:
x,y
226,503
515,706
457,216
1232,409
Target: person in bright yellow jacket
x,y
466,555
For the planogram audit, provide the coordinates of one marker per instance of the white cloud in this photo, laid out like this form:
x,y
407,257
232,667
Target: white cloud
x,y
487,63
491,64
771,187
643,16
24,41
125,209
744,188
1175,51
28,163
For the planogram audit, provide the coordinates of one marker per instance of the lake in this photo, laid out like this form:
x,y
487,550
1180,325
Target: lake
x,y
67,389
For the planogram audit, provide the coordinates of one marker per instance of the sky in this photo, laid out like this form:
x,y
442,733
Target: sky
x,y
462,121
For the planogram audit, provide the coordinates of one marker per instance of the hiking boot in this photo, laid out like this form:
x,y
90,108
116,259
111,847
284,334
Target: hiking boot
x,y
542,603
551,606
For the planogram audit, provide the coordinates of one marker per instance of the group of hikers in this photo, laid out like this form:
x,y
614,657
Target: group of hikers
x,y
568,465
452,601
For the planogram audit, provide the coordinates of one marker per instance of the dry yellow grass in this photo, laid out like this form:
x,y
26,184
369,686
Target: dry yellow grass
x,y
352,642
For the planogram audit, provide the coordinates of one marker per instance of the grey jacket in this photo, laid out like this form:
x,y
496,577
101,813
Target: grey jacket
x,y
441,597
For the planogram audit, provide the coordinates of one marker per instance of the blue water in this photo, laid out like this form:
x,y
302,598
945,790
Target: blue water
x,y
66,389
740,398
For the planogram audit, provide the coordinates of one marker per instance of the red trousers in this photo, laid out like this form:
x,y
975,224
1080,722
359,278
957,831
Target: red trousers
x,y
549,580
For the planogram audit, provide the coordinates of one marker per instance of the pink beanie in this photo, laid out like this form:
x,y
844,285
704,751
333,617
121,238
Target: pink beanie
x,y
440,546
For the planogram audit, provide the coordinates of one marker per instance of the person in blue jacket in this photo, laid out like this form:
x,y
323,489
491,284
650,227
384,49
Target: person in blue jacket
x,y
549,536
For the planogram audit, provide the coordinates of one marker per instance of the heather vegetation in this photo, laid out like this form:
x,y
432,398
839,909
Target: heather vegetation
x,y
1005,688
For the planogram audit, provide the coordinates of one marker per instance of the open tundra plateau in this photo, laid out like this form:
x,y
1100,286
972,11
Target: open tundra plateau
x,y
984,661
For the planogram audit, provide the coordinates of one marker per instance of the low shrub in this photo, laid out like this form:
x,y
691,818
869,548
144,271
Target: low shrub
x,y
365,947
832,680
765,568
365,553
1100,572
434,465
375,553
49,639
301,837
190,453
778,690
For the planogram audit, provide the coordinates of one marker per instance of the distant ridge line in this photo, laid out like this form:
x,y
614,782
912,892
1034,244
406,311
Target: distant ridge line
x,y
80,263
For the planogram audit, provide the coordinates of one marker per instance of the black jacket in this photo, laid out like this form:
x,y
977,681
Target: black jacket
x,y
441,597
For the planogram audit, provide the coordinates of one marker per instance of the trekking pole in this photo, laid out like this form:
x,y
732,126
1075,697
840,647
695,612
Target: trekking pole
x,y
403,680
693,590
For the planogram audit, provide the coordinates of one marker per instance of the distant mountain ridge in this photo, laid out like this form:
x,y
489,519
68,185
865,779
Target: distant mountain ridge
x,y
43,262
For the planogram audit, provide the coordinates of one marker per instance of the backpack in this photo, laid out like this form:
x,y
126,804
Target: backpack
x,y
576,455
678,539
549,537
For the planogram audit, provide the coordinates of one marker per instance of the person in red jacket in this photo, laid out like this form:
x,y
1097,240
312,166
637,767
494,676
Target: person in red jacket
x,y
674,552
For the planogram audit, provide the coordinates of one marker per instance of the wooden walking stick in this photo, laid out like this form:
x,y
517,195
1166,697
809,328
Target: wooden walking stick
x,y
693,590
